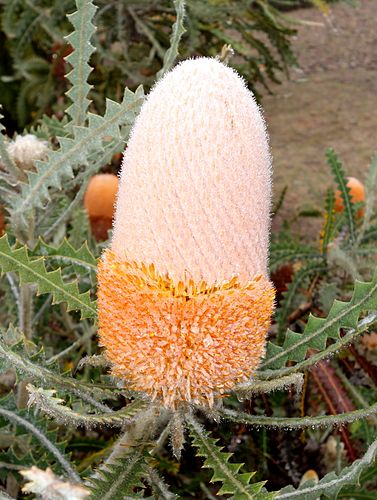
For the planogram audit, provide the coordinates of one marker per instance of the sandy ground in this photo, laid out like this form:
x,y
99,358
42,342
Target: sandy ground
x,y
330,101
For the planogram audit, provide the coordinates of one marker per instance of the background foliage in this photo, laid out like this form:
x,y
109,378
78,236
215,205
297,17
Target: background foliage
x,y
131,40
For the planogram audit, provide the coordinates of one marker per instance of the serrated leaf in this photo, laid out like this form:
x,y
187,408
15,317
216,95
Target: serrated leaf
x,y
24,357
160,489
34,271
46,401
368,480
178,30
41,435
65,254
350,336
73,152
331,484
118,481
327,233
318,330
82,50
48,127
233,482
341,180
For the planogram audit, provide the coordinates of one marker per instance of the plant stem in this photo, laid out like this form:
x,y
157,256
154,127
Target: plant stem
x,y
141,431
16,419
26,311
299,422
355,394
84,338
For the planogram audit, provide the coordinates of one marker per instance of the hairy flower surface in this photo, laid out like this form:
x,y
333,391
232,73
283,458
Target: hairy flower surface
x,y
195,186
26,149
184,297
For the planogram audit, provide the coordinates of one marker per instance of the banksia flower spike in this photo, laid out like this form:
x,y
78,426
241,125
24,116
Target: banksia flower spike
x,y
184,296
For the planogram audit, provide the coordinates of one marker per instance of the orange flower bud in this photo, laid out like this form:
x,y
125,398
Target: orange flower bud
x,y
357,193
99,202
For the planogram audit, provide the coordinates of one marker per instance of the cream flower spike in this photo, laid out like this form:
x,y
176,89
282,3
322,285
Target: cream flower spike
x,y
184,296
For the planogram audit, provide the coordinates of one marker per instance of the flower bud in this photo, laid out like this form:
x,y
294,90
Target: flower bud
x,y
26,149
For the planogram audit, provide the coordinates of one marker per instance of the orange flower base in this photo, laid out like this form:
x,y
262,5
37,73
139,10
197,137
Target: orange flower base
x,y
180,341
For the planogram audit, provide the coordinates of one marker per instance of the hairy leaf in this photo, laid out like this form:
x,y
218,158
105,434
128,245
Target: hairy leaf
x,y
178,31
82,50
45,438
233,482
340,178
65,254
118,481
331,484
290,423
22,357
34,271
159,487
248,389
45,400
74,152
318,330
